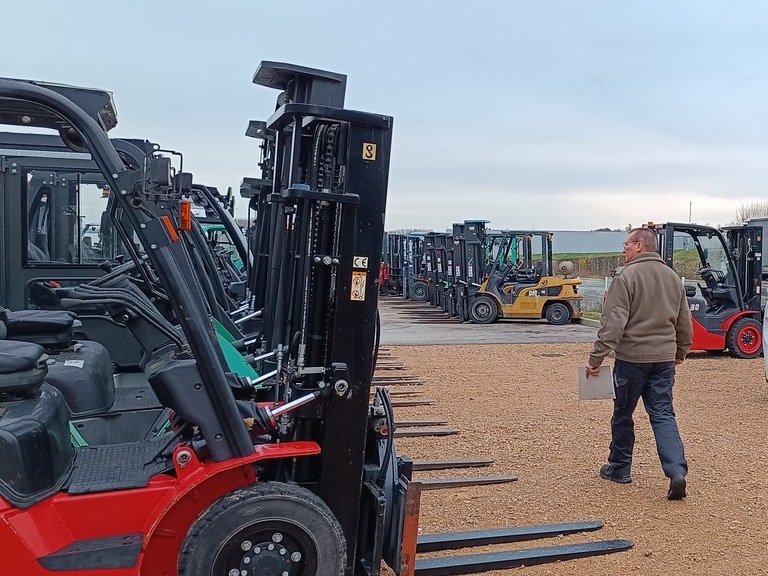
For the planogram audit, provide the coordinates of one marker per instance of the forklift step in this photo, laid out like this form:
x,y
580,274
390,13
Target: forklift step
x,y
119,466
110,552
430,432
446,464
439,483
452,540
474,563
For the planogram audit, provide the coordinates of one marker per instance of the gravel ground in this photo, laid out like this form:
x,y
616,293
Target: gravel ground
x,y
518,404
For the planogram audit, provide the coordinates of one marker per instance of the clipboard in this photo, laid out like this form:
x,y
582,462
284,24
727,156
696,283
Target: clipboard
x,y
598,387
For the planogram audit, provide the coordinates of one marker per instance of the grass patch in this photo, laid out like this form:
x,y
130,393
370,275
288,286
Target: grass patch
x,y
569,256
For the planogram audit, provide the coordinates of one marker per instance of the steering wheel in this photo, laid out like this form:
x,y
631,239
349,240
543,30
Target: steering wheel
x,y
711,276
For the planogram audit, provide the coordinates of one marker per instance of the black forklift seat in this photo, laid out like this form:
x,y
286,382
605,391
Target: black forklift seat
x,y
23,367
49,328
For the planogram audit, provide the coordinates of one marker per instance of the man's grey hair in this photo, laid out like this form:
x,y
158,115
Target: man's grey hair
x,y
645,235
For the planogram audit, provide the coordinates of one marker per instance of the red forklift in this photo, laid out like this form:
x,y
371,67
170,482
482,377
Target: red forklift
x,y
726,304
297,477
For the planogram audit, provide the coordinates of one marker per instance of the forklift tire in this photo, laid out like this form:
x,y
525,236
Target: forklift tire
x,y
267,528
483,310
420,292
558,313
744,338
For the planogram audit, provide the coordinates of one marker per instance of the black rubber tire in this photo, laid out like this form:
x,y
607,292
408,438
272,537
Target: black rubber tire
x,y
745,338
558,313
483,310
236,531
420,291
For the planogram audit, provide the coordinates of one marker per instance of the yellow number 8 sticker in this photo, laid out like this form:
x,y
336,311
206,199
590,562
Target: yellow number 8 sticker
x,y
369,151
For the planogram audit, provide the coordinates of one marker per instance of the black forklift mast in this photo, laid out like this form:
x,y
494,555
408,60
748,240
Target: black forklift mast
x,y
404,254
435,244
442,246
412,261
393,264
212,407
469,240
469,247
211,199
319,251
258,191
745,245
297,85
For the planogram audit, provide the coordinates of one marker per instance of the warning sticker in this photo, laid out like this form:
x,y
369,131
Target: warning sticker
x,y
75,363
358,286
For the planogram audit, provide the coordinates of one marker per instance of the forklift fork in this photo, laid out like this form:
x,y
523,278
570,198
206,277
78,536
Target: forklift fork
x,y
413,544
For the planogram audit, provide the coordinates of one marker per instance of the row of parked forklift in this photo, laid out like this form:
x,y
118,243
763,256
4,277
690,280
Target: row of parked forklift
x,y
482,275
178,399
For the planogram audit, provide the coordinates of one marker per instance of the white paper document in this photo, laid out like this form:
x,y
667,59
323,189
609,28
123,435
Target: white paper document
x,y
598,387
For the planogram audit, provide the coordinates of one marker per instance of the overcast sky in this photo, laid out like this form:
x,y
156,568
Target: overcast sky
x,y
561,115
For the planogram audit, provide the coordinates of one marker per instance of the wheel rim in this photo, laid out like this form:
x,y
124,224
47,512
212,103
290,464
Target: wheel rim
x,y
267,547
483,310
419,290
748,339
557,314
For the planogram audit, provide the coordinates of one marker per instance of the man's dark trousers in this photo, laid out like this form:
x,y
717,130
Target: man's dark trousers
x,y
653,383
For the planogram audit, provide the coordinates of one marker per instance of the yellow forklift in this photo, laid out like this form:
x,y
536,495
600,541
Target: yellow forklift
x,y
527,287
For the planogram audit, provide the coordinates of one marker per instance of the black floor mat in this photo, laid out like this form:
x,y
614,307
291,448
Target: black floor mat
x,y
130,398
118,466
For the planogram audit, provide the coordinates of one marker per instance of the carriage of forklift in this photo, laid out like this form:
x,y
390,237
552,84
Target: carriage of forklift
x,y
726,304
300,477
528,287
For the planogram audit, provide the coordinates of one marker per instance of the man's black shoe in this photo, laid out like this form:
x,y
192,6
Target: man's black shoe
x,y
676,488
606,473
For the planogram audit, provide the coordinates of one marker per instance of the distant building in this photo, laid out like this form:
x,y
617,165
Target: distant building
x,y
586,242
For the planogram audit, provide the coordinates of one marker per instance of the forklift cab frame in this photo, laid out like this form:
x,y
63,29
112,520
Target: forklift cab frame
x,y
727,315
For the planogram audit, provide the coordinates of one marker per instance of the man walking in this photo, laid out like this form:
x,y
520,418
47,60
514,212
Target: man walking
x,y
646,322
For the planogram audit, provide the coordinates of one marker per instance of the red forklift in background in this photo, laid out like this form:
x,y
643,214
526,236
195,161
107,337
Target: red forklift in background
x,y
726,306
